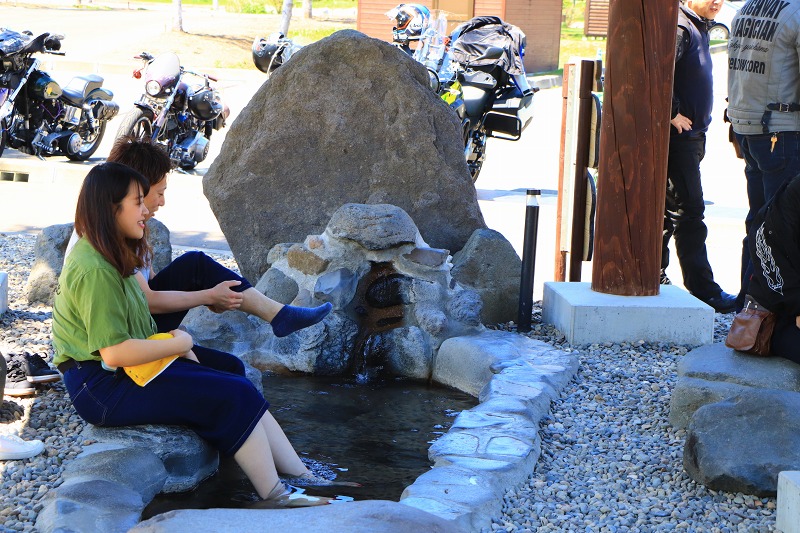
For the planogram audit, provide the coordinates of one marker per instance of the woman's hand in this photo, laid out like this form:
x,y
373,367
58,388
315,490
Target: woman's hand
x,y
185,339
223,298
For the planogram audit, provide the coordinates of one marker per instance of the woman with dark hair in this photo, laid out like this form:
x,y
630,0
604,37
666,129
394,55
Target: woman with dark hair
x,y
194,279
101,324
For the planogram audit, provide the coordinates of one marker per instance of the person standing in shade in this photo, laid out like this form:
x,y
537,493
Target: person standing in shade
x,y
692,100
764,103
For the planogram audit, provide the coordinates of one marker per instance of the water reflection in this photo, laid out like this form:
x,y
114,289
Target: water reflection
x,y
376,434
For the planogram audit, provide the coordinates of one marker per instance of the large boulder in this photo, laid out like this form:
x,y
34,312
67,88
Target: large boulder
x,y
52,243
489,265
350,119
741,444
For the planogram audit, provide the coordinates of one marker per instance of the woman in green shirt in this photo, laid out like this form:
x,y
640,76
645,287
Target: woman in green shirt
x,y
101,323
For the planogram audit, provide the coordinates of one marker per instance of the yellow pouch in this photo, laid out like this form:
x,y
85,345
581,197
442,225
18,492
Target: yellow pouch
x,y
147,372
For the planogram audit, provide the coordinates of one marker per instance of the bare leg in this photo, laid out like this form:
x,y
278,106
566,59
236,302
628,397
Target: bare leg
x,y
256,303
284,456
255,459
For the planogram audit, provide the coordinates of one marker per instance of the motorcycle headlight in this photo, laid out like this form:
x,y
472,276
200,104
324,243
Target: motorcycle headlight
x,y
152,88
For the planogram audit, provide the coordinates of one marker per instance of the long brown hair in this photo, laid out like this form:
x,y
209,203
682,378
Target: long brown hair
x,y
102,192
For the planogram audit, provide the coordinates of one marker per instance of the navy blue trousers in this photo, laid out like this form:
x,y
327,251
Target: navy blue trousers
x,y
213,398
684,213
766,169
192,271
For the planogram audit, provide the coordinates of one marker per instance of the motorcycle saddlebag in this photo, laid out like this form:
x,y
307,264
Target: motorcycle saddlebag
x,y
509,116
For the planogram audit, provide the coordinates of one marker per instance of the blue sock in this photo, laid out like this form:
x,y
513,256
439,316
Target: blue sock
x,y
291,318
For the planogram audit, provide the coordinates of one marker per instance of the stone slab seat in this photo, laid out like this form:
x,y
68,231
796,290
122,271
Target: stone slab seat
x,y
714,372
742,414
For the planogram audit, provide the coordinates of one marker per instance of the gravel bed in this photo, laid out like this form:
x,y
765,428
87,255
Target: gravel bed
x,y
610,461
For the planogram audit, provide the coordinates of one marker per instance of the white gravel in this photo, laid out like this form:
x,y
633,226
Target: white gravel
x,y
610,461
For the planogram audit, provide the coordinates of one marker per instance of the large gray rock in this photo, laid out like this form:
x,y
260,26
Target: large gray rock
x,y
715,372
490,266
372,132
374,516
188,458
52,243
94,505
138,469
741,444
49,251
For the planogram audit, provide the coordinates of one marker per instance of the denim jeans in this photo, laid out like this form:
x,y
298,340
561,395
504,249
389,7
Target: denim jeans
x,y
192,271
767,167
684,213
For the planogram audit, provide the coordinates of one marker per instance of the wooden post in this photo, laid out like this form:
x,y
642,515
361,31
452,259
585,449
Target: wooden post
x,y
634,140
581,162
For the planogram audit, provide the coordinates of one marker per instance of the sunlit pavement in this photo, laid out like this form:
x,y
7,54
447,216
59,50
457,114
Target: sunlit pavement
x,y
511,168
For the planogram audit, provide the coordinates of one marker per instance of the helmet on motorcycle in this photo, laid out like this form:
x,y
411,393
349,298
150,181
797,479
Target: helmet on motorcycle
x,y
411,20
266,52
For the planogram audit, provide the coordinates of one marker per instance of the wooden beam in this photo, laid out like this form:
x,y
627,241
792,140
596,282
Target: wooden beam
x,y
634,141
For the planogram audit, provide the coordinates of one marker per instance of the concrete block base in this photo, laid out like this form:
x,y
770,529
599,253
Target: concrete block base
x,y
3,292
788,502
586,316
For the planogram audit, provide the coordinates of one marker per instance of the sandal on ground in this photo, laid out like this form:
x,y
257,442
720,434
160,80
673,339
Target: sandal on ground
x,y
288,497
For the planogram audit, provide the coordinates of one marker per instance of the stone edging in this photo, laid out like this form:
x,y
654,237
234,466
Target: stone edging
x,y
489,448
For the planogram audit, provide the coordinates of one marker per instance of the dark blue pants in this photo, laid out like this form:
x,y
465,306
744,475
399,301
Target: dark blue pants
x,y
766,169
192,271
786,339
684,213
213,398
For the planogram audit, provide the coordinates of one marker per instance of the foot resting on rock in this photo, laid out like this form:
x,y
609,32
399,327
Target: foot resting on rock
x,y
290,318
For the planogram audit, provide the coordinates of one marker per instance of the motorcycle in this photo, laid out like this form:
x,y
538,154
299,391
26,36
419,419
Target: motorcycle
x,y
38,116
272,51
477,70
174,113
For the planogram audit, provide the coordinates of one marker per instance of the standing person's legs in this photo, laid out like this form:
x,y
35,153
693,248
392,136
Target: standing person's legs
x,y
767,167
688,208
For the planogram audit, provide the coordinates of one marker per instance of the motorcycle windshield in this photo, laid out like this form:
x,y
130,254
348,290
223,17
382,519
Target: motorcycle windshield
x,y
165,69
12,42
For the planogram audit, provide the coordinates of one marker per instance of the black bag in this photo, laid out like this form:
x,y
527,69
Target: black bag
x,y
751,330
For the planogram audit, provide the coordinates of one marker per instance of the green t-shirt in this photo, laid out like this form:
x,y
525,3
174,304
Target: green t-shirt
x,y
95,307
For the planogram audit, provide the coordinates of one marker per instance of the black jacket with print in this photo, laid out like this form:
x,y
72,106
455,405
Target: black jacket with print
x,y
774,242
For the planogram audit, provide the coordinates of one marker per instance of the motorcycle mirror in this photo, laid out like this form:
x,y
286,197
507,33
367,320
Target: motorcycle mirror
x,y
212,78
137,73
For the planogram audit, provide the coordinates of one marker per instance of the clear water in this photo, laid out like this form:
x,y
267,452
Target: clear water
x,y
375,434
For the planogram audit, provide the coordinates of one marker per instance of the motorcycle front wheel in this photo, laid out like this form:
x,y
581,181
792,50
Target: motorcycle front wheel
x,y
90,142
136,123
475,152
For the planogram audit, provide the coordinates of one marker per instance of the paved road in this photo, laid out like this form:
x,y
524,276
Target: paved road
x,y
511,168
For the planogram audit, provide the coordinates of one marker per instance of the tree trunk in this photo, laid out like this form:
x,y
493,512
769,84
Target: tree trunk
x,y
307,6
177,22
634,142
286,16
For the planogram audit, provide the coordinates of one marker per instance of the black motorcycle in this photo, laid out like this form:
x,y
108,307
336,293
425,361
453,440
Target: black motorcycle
x,y
37,115
477,70
173,113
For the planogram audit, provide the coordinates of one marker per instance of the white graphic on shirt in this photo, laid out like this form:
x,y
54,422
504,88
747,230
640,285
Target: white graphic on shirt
x,y
771,271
